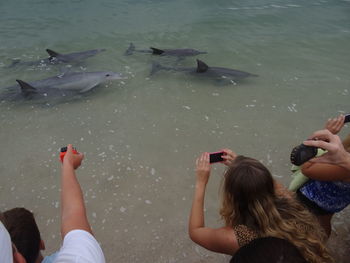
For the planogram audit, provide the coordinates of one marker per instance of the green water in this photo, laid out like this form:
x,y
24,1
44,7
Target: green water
x,y
141,136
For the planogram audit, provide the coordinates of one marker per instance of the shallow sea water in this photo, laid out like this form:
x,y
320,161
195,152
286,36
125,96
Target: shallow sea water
x,y
141,136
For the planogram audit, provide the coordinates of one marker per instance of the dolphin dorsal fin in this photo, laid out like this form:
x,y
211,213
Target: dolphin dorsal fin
x,y
25,87
156,51
52,53
201,66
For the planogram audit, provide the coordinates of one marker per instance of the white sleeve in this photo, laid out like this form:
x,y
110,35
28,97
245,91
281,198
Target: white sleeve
x,y
6,255
80,246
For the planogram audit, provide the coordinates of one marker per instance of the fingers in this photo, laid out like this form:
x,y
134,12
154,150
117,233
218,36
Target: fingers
x,y
321,134
80,155
73,157
69,148
340,122
227,151
202,160
326,140
319,144
229,156
203,168
336,124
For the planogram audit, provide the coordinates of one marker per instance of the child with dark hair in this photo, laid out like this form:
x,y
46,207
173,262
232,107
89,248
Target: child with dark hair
x,y
25,234
268,250
8,251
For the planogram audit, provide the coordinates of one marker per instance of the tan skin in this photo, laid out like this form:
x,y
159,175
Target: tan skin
x,y
333,165
223,239
73,213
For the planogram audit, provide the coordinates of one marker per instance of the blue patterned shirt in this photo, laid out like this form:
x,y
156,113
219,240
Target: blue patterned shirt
x,y
332,196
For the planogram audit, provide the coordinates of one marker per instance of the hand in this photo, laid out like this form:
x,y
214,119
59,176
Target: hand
x,y
228,157
203,168
336,124
324,139
71,158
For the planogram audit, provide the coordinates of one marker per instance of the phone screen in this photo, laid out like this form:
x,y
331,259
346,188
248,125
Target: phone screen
x,y
216,157
347,118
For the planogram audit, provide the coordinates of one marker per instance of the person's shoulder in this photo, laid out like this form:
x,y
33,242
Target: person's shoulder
x,y
78,233
80,246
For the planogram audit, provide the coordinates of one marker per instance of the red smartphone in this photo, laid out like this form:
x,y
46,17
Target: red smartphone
x,y
63,152
216,157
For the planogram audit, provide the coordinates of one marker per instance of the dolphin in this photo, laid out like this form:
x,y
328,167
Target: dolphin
x,y
56,58
64,86
182,52
203,70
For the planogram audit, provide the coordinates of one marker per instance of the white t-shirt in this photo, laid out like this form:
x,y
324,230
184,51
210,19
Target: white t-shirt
x,y
5,246
80,246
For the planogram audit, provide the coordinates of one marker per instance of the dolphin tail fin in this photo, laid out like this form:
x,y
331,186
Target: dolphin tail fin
x,y
156,51
26,88
130,50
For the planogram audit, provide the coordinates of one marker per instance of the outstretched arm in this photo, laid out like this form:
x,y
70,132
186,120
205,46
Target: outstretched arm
x,y
73,213
220,240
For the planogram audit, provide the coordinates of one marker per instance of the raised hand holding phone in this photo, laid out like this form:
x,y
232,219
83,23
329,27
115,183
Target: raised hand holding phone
x,y
225,156
70,155
203,168
229,156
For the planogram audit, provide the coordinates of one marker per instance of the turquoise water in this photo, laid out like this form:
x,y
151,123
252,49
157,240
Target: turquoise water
x,y
141,136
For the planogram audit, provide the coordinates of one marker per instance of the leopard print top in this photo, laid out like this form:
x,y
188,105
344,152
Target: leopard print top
x,y
244,234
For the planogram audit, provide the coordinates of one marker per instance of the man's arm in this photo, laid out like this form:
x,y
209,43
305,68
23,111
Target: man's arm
x,y
73,213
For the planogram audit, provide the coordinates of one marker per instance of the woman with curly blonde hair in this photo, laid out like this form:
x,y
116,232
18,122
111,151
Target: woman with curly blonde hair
x,y
253,206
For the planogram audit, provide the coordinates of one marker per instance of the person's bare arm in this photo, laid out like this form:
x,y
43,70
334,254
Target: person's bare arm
x,y
221,240
325,172
73,213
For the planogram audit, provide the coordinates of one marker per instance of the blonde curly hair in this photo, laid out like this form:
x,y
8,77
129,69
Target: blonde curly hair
x,y
249,199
